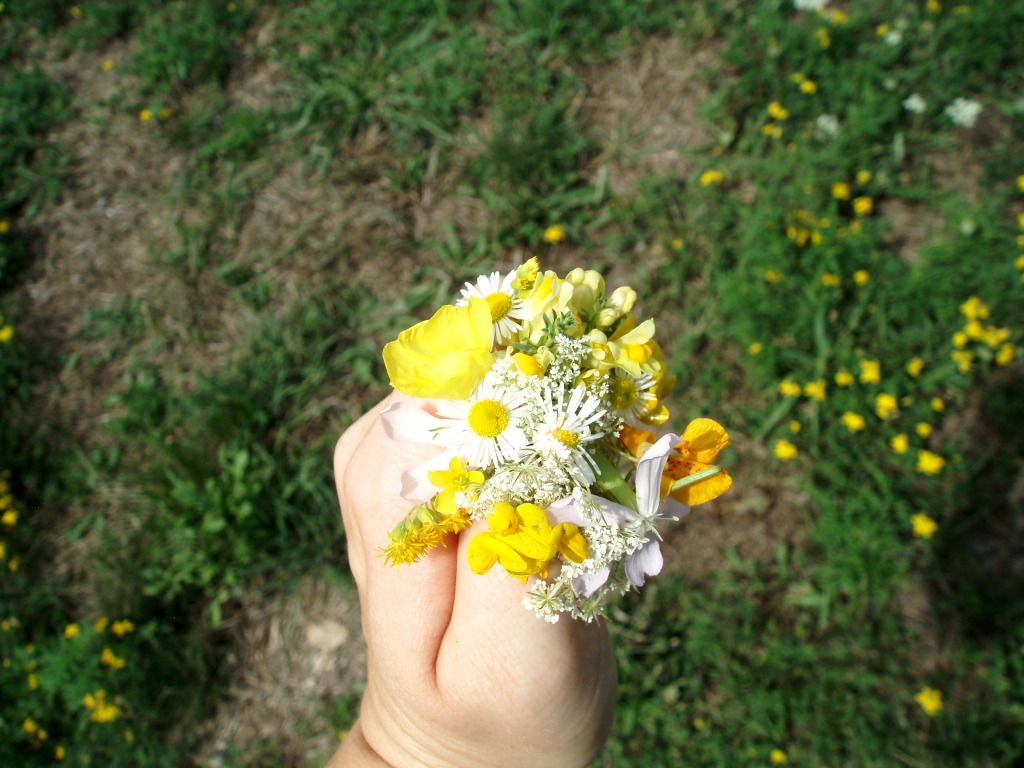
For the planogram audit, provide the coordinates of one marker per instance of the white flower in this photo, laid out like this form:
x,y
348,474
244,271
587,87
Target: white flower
x,y
485,429
635,397
827,125
915,104
508,312
809,5
567,428
893,38
963,112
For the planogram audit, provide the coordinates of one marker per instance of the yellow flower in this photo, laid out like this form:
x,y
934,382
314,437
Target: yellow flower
x,y
808,86
1019,262
1005,354
824,39
778,757
882,30
33,682
930,700
964,360
853,421
863,177
698,723
755,348
815,389
929,463
6,333
5,226
445,356
923,429
861,277
523,541
422,530
914,367
899,443
773,276
785,450
772,130
76,12
974,309
934,6
29,726
72,630
101,623
795,426
924,526
841,190
698,449
863,205
59,753
9,518
870,372
711,176
108,64
830,280
145,115
843,378
789,388
554,234
938,404
111,659
454,480
14,565
777,112
232,7
886,405
122,627
1020,183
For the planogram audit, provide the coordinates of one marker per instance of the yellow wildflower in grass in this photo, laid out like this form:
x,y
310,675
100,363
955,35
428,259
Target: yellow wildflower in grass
x,y
14,565
777,112
122,627
938,404
795,426
9,518
993,336
824,38
863,205
974,309
843,378
110,659
861,277
32,681
6,333
964,360
522,540
554,234
677,244
72,630
773,276
785,450
815,389
711,176
899,443
929,463
914,367
5,226
808,87
882,30
445,356
835,17
107,65
3,550
59,753
778,757
960,339
145,115
1005,354
1020,241
789,388
101,623
102,710
853,421
923,429
755,348
863,176
164,113
698,723
870,372
830,280
886,405
1019,262
1020,183
934,6
930,700
76,12
841,190
232,7
29,726
771,130
924,527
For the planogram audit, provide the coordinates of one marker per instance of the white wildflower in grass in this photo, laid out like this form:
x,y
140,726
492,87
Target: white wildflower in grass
x,y
827,125
915,104
963,112
486,430
567,429
809,5
893,38
507,311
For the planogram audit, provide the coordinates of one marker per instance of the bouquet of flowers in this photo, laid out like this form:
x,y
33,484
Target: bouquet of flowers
x,y
540,389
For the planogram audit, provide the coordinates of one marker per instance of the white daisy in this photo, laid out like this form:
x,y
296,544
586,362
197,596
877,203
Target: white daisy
x,y
486,429
508,312
635,397
567,428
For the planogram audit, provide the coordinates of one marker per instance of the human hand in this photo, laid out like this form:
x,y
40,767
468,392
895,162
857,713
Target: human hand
x,y
459,673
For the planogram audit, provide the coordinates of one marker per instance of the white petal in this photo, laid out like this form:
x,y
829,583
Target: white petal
x,y
648,475
589,582
613,512
566,511
674,510
646,561
416,485
408,424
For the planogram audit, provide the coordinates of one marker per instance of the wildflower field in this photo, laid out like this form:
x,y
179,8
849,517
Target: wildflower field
x,y
213,215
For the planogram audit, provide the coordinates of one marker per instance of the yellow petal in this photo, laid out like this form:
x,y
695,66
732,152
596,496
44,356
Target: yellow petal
x,y
704,490
486,549
572,544
705,439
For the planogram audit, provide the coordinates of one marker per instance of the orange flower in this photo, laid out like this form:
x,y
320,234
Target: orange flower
x,y
701,443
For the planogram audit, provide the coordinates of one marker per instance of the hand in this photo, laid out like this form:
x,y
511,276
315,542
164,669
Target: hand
x,y
460,673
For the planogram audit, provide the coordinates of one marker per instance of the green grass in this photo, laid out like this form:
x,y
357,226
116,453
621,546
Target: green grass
x,y
206,479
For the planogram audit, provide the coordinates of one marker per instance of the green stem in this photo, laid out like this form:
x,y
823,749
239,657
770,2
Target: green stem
x,y
696,477
611,483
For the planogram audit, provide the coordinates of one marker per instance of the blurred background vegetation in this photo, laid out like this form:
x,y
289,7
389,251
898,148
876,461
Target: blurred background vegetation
x,y
213,214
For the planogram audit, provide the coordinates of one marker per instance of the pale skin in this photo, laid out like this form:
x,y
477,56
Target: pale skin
x,y
459,672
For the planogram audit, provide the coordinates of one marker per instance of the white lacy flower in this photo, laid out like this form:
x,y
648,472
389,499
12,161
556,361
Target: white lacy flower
x,y
963,112
827,125
809,5
915,104
508,312
567,428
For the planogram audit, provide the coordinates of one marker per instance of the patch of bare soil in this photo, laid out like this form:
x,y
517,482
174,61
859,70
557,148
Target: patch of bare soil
x,y
760,512
912,226
294,656
644,108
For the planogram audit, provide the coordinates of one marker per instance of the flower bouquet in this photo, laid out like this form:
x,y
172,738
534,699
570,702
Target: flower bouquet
x,y
540,389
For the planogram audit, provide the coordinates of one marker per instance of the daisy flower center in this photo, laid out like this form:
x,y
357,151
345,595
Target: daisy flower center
x,y
499,304
624,394
569,439
488,418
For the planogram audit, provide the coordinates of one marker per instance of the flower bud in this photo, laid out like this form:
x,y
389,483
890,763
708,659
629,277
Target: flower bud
x,y
623,299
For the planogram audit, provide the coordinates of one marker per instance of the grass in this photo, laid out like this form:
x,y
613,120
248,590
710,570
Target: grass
x,y
203,480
